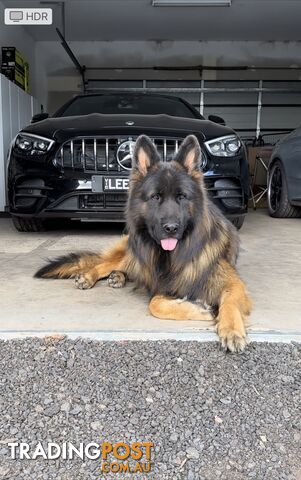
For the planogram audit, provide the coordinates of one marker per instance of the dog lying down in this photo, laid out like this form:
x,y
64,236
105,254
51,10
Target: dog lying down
x,y
179,247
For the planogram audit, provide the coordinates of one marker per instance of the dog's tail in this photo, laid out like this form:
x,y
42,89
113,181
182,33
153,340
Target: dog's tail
x,y
68,266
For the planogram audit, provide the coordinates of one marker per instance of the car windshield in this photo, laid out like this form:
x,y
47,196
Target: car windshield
x,y
127,104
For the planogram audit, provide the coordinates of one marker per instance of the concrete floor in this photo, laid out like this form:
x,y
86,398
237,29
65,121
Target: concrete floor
x,y
269,262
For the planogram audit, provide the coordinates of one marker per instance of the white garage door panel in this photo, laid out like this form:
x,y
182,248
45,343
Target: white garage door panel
x,y
284,118
236,118
193,98
232,98
288,98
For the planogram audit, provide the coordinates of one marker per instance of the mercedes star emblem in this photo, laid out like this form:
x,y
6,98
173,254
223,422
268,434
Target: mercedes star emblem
x,y
125,154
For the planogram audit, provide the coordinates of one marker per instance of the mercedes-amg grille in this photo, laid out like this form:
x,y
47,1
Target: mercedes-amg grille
x,y
107,154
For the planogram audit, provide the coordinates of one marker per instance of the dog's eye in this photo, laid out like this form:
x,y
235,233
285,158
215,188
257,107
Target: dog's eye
x,y
156,196
181,196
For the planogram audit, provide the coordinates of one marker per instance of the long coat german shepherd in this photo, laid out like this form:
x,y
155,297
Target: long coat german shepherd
x,y
179,247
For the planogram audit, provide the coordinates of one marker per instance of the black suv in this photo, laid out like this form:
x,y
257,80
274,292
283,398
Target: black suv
x,y
76,164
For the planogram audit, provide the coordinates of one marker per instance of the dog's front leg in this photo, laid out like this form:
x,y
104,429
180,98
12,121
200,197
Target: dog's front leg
x,y
176,309
234,306
113,260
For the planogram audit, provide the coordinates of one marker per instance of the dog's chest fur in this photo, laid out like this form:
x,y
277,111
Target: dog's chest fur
x,y
162,275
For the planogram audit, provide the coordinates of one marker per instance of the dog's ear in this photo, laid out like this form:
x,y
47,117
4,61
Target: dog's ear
x,y
189,154
145,154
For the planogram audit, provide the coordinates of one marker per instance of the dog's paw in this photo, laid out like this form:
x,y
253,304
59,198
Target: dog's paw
x,y
116,279
83,282
232,340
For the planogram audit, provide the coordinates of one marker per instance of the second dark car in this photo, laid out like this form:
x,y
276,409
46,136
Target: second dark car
x,y
76,164
284,177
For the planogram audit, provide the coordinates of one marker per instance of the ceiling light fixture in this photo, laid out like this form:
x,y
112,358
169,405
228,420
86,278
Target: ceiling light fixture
x,y
192,3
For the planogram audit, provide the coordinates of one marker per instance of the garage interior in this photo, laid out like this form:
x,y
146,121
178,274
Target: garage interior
x,y
240,62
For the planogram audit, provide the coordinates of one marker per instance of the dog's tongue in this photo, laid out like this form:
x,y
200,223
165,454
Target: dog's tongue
x,y
169,243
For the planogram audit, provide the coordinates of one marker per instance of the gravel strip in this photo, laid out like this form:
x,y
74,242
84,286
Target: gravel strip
x,y
209,414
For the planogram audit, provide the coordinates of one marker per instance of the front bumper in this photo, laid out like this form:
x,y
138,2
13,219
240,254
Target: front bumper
x,y
69,198
39,188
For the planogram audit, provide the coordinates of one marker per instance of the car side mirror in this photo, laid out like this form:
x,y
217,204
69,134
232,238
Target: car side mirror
x,y
216,119
39,117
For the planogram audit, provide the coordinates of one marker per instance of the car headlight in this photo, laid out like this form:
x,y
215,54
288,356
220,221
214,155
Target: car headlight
x,y
224,146
33,144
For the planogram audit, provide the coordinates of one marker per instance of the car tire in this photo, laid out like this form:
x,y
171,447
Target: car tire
x,y
29,224
278,202
238,221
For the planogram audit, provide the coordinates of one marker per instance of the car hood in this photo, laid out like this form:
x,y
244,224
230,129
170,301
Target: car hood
x,y
63,128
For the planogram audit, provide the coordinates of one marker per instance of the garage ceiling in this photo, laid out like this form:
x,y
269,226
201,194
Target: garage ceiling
x,y
107,20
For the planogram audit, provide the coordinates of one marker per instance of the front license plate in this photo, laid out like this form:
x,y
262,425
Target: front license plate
x,y
109,184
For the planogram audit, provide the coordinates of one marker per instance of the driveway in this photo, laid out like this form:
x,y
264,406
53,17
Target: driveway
x,y
269,263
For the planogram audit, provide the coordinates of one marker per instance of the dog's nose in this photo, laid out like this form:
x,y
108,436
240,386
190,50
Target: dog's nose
x,y
171,227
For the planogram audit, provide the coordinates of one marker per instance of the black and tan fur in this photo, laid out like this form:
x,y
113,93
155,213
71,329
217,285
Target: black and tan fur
x,y
199,271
